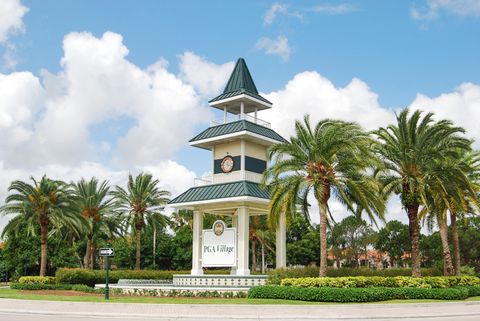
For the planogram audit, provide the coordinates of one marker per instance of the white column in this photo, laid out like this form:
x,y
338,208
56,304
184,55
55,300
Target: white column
x,y
242,241
242,110
242,160
256,111
281,243
224,115
233,270
197,243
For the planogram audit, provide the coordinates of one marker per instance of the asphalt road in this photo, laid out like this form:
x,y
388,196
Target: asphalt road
x,y
16,310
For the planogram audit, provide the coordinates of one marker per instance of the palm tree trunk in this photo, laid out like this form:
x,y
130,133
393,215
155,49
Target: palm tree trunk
x,y
137,254
88,254
447,258
263,258
412,211
254,255
323,240
456,242
43,244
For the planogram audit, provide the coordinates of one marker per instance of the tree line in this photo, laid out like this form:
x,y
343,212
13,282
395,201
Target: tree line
x,y
430,164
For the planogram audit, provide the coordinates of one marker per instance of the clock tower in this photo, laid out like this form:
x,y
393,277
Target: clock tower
x,y
239,144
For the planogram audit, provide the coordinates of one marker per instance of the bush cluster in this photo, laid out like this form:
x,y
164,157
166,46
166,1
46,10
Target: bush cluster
x,y
277,275
379,281
37,280
327,294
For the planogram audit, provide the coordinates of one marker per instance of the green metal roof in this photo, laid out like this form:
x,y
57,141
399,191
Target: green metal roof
x,y
240,82
219,191
238,126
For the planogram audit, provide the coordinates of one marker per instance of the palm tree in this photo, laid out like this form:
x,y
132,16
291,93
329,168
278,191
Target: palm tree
x,y
44,203
408,150
331,159
90,199
156,221
141,199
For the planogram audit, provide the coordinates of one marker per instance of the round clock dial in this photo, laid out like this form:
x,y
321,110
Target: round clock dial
x,y
227,164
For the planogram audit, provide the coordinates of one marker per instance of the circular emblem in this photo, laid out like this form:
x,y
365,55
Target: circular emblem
x,y
218,228
227,164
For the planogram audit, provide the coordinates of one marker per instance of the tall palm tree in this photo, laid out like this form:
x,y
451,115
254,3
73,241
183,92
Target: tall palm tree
x,y
44,203
331,159
141,199
156,221
91,201
408,150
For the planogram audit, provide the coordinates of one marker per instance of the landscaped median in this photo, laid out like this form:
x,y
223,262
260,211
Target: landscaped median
x,y
370,289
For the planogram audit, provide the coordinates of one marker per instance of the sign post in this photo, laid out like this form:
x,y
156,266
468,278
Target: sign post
x,y
107,252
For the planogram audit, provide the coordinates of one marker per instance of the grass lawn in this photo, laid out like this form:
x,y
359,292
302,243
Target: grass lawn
x,y
84,297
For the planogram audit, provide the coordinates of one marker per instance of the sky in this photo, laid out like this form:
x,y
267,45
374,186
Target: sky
x,y
106,88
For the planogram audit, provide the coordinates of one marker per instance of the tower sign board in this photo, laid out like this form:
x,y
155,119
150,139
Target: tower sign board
x,y
219,246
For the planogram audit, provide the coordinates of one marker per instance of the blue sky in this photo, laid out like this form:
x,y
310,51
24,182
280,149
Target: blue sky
x,y
109,87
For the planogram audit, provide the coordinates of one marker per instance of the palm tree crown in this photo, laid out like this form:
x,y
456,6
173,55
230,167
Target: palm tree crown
x,y
44,203
141,199
409,150
331,159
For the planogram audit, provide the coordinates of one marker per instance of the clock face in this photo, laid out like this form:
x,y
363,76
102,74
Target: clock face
x,y
227,164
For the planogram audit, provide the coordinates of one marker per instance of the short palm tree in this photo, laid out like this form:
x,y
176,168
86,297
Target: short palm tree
x,y
141,199
408,150
92,202
44,203
331,159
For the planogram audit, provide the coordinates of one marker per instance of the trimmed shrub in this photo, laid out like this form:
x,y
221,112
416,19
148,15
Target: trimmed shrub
x,y
327,294
377,281
37,280
39,286
277,275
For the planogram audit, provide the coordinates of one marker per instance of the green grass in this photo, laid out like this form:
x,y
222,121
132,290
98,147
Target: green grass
x,y
17,294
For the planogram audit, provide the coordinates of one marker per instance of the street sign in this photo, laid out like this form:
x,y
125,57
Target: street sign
x,y
107,251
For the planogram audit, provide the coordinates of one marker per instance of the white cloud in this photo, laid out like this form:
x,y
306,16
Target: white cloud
x,y
11,14
278,47
206,77
273,11
309,92
432,9
462,106
333,9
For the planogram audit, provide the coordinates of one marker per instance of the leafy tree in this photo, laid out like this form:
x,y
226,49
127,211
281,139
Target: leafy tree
x,y
44,203
303,242
141,199
394,239
353,236
468,232
408,149
331,159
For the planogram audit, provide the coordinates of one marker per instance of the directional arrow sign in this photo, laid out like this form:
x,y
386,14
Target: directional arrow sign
x,y
106,251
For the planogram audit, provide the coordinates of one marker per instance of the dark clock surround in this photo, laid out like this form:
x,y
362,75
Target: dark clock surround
x,y
252,164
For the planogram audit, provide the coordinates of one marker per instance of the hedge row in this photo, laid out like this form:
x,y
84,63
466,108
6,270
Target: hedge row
x,y
359,294
378,281
277,275
92,277
46,286
37,280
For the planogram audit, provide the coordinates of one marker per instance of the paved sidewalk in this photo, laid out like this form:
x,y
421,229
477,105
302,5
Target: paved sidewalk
x,y
11,309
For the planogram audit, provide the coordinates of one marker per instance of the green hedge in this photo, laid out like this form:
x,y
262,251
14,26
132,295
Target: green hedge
x,y
37,280
46,286
359,294
92,277
275,276
378,281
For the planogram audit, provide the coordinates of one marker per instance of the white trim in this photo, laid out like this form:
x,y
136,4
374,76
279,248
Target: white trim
x,y
229,99
222,200
232,135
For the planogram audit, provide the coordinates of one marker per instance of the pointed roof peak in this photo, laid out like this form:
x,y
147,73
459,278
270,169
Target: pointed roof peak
x,y
241,79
